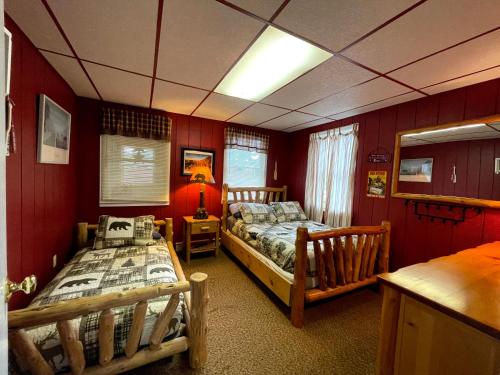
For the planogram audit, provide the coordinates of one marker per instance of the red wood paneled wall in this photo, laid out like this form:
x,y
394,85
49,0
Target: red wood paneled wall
x,y
41,208
184,197
412,240
475,169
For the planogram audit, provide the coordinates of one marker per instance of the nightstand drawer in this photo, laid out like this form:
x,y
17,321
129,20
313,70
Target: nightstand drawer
x,y
206,227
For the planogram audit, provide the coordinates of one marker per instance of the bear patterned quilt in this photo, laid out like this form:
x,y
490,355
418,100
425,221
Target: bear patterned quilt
x,y
97,272
277,242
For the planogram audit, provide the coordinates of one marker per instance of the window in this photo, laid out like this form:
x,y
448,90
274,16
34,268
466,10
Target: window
x,y
244,168
134,171
330,175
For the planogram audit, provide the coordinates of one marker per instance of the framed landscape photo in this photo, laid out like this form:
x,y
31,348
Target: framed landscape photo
x,y
191,158
54,130
416,170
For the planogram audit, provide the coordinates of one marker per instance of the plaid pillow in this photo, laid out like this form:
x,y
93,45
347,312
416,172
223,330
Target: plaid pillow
x,y
288,211
124,231
257,213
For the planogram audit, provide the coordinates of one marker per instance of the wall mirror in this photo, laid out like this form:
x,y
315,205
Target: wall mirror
x,y
455,163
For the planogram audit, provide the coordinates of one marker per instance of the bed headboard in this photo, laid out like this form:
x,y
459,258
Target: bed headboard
x,y
249,194
86,232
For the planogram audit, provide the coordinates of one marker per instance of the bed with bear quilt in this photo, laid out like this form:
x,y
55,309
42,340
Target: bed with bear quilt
x,y
277,242
96,272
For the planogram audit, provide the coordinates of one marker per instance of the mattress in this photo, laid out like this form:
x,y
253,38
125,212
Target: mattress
x,y
277,242
98,272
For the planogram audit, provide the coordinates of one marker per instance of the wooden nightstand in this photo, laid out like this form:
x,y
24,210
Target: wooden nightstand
x,y
196,227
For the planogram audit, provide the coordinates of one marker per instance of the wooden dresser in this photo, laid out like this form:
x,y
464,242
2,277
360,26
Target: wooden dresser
x,y
443,316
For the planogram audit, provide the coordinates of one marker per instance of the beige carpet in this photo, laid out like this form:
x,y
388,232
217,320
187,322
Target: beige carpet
x,y
250,333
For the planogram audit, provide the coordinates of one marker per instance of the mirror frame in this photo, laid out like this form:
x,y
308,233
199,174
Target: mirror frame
x,y
476,202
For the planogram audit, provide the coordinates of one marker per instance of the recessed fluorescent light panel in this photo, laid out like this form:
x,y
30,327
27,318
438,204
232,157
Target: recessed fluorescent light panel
x,y
275,59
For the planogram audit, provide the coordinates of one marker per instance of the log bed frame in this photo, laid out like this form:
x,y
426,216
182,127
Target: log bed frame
x,y
341,268
62,313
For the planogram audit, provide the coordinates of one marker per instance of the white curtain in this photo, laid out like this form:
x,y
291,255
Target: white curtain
x,y
330,175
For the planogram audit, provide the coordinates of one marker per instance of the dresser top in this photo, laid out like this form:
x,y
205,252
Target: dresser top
x,y
465,285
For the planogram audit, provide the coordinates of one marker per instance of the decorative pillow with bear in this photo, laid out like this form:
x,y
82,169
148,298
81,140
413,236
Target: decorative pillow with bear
x,y
257,213
124,231
234,210
288,211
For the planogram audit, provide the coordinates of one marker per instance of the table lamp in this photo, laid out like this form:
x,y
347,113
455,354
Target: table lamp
x,y
201,175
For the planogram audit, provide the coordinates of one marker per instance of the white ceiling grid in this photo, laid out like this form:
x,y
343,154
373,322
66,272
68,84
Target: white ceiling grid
x,y
385,52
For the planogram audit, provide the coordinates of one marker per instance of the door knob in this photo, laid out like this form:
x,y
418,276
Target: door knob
x,y
28,286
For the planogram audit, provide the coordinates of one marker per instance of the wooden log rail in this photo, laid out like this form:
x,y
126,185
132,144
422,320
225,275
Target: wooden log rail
x,y
63,314
345,259
250,194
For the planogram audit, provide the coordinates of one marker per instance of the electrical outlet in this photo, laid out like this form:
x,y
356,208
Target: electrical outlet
x,y
54,261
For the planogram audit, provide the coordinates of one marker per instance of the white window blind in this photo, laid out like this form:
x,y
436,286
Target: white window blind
x,y
134,171
244,168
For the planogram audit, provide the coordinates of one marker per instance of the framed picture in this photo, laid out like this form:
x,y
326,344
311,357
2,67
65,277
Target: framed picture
x,y
194,158
377,184
416,170
54,128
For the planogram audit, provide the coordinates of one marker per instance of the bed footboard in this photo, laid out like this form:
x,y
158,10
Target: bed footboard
x,y
62,313
341,264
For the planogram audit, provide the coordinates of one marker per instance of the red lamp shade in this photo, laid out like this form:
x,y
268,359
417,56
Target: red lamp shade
x,y
202,175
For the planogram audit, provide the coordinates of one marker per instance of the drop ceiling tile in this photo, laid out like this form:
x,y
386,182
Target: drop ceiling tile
x,y
261,8
176,98
471,57
472,79
72,73
380,104
200,40
288,120
221,107
428,28
258,113
370,92
337,23
307,125
32,17
330,77
119,86
115,33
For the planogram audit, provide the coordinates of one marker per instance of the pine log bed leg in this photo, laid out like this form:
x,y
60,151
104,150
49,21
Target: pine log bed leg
x,y
299,278
199,324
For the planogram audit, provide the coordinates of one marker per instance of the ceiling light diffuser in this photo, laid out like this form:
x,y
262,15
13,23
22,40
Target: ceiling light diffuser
x,y
275,59
444,130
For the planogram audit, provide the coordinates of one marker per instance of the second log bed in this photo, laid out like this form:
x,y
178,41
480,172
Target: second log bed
x,y
65,313
341,264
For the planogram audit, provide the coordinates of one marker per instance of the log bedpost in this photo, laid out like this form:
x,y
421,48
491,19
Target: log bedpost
x,y
388,331
82,236
383,265
225,189
299,278
199,326
169,229
284,192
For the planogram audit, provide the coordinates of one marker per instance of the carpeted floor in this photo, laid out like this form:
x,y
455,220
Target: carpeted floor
x,y
250,333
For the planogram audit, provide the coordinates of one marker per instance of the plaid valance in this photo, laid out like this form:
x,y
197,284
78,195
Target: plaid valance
x,y
116,121
247,140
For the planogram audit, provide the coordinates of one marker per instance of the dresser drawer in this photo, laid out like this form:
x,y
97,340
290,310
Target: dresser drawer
x,y
204,227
